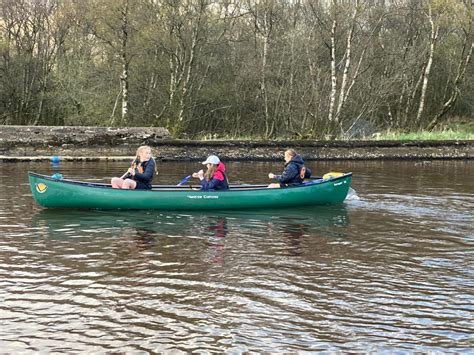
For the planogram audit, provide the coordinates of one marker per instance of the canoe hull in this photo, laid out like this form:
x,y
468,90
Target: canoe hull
x,y
52,193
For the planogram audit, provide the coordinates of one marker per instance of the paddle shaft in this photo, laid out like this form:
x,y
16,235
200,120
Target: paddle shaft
x,y
184,180
133,165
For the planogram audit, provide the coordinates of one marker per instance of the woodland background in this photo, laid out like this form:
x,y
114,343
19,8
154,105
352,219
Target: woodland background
x,y
237,68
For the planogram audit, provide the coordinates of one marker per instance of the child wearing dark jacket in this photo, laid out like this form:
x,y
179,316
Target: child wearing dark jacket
x,y
140,175
294,173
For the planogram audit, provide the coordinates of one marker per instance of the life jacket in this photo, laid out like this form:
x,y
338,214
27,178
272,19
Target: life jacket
x,y
302,172
221,175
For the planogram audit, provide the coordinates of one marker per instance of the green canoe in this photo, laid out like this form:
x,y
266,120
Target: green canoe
x,y
54,193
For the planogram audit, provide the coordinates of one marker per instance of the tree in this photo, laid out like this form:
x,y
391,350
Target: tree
x,y
112,22
462,15
33,32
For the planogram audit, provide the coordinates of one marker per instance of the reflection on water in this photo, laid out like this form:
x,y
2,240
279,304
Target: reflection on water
x,y
390,270
145,226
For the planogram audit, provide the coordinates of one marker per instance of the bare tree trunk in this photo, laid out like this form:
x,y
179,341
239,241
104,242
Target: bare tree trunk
x,y
150,88
40,105
172,86
291,88
263,21
112,115
332,100
347,65
125,64
263,83
313,84
187,79
187,83
433,38
292,69
175,79
410,99
177,69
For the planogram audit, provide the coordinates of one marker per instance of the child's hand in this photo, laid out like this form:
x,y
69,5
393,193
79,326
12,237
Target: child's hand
x,y
199,175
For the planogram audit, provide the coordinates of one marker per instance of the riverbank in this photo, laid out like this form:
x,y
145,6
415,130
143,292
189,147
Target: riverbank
x,y
22,143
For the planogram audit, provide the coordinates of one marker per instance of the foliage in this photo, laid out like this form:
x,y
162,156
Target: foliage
x,y
218,68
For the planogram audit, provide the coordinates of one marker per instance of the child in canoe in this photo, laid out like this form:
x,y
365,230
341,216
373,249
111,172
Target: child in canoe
x,y
214,178
294,173
140,174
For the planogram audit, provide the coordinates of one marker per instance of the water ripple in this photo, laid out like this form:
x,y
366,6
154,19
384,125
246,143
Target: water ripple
x,y
389,271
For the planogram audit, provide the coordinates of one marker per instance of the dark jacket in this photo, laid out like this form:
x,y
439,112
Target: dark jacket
x,y
144,179
291,173
218,180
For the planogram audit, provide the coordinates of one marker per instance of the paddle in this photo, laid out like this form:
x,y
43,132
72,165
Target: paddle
x,y
133,165
184,180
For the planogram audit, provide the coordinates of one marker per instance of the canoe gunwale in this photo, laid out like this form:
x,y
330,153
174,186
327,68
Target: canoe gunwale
x,y
171,188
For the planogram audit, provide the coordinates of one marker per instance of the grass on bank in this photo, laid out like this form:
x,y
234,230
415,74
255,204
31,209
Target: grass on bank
x,y
454,130
447,135
426,136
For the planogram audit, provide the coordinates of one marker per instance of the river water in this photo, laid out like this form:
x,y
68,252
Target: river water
x,y
390,270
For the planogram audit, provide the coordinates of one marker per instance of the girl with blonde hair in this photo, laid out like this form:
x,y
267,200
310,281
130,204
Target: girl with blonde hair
x,y
140,174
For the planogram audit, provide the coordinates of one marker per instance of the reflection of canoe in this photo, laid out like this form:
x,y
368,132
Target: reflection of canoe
x,y
63,223
54,193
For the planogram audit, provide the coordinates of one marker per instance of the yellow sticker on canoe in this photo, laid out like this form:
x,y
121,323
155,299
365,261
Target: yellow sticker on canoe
x,y
41,188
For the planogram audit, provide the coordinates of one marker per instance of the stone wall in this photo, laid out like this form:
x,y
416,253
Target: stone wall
x,y
78,136
101,143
